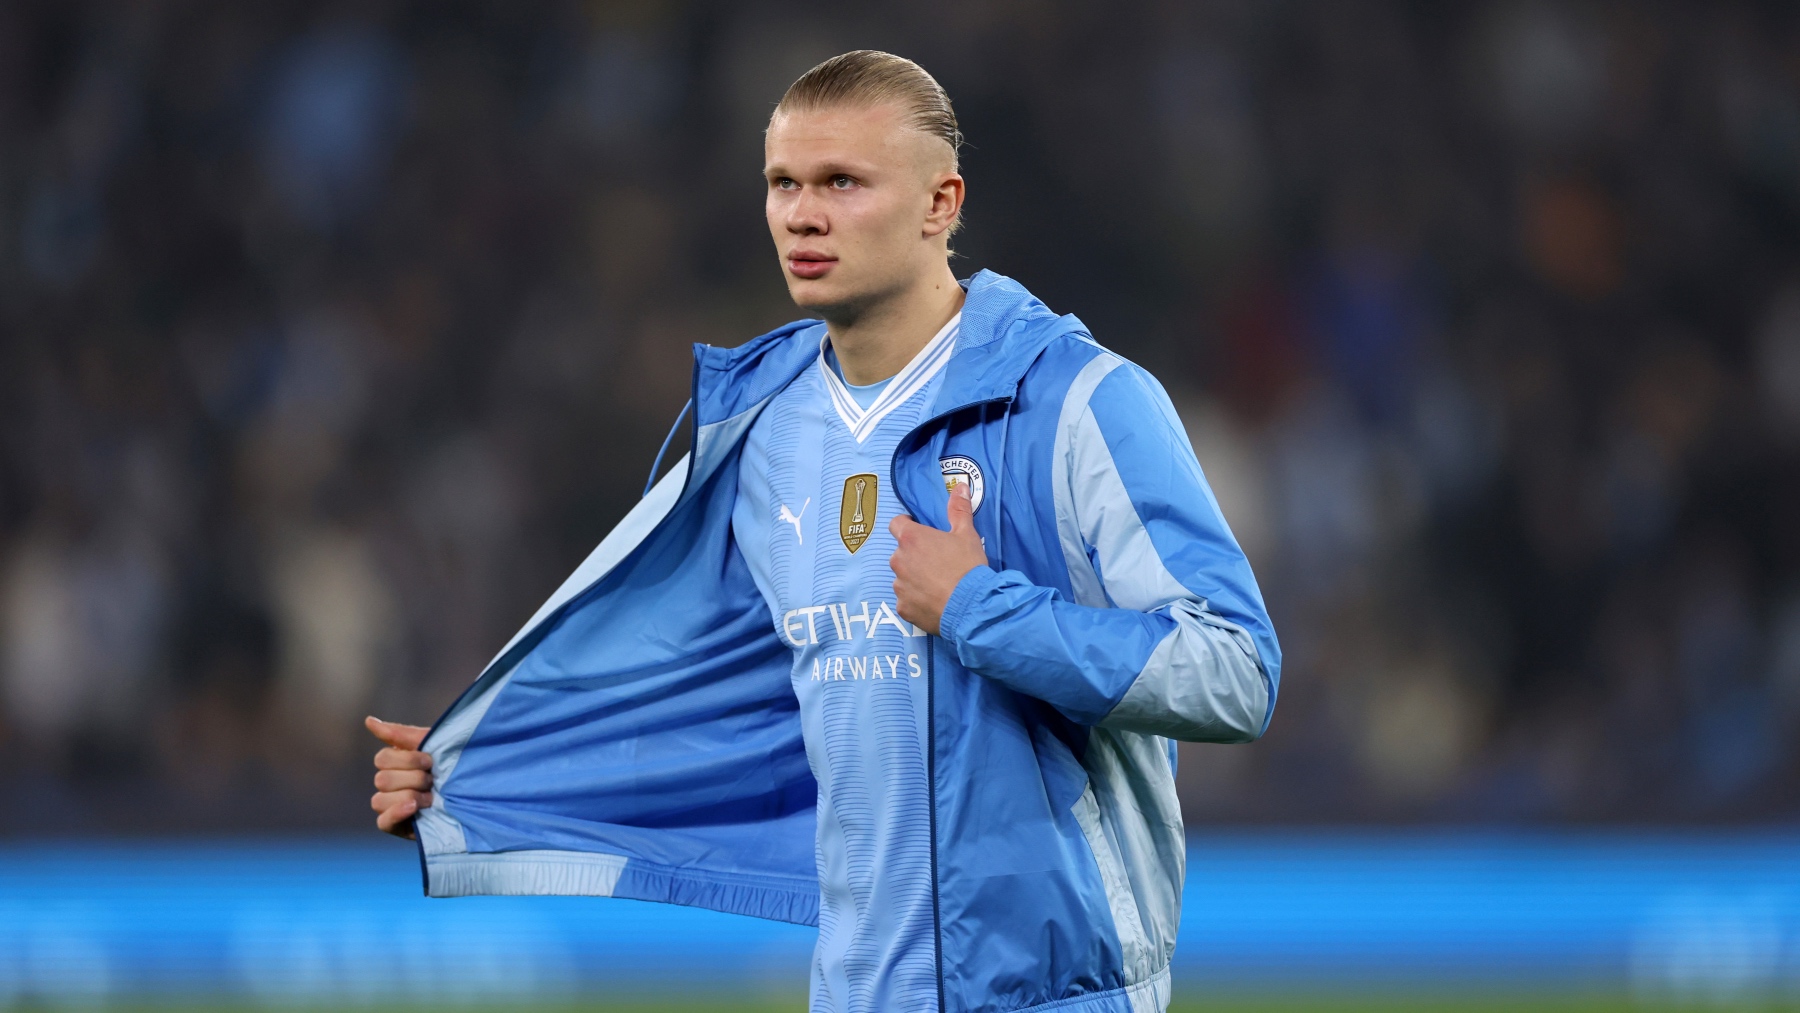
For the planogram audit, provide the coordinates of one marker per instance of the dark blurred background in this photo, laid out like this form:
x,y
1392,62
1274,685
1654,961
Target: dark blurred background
x,y
333,335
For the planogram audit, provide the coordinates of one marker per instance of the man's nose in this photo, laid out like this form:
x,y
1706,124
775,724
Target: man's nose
x,y
805,216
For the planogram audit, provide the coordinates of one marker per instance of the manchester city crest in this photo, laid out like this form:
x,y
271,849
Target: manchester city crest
x,y
856,516
963,471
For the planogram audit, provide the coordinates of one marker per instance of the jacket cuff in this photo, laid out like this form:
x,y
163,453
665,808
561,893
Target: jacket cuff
x,y
975,585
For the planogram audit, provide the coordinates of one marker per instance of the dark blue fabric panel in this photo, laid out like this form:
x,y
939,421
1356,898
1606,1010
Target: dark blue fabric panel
x,y
1013,854
655,719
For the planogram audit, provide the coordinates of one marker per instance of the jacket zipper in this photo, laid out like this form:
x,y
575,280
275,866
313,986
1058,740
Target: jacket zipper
x,y
937,920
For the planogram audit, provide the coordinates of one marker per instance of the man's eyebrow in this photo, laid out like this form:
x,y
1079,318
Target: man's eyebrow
x,y
825,169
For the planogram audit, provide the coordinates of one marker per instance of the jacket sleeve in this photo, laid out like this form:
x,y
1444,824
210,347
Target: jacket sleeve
x,y
1167,633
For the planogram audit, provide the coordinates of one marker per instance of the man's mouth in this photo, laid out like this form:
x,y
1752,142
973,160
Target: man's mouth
x,y
802,264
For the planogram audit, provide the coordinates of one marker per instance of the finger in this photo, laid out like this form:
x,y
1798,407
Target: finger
x,y
398,780
402,759
962,510
386,818
382,801
396,735
390,821
900,524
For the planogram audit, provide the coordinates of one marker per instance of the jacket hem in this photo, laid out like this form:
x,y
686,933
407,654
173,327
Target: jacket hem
x,y
1148,996
523,874
583,874
756,896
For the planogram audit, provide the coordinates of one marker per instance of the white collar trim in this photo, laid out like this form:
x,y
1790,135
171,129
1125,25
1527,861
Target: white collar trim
x,y
914,376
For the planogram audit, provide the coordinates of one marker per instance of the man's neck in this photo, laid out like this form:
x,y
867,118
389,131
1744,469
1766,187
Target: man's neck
x,y
882,339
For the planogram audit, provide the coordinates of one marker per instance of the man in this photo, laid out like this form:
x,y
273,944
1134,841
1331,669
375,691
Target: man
x,y
902,646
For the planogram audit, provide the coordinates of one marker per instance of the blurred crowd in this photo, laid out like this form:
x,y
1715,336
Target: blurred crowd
x,y
333,335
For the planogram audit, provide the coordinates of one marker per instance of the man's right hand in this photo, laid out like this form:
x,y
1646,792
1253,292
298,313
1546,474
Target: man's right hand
x,y
402,776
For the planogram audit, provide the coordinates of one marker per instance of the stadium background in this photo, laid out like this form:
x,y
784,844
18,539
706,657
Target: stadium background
x,y
332,335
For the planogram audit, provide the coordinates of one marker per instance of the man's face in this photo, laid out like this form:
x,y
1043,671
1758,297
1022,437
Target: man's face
x,y
851,197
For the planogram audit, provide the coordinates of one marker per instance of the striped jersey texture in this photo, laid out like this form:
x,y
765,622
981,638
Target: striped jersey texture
x,y
811,461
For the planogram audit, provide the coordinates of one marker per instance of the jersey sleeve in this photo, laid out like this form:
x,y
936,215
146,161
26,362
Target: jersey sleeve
x,y
1168,634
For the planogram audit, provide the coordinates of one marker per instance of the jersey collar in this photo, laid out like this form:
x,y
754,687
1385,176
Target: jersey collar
x,y
909,381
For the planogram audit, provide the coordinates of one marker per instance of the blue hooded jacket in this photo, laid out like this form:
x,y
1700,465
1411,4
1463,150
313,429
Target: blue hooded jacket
x,y
640,737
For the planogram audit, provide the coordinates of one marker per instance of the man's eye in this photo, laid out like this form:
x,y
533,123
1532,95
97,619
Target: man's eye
x,y
842,182
787,184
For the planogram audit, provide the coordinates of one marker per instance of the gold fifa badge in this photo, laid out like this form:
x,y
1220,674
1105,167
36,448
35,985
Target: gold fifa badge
x,y
856,518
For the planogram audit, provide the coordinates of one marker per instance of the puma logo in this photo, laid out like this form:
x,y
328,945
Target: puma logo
x,y
794,519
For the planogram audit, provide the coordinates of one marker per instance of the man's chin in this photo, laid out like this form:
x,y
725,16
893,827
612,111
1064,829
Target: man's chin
x,y
821,298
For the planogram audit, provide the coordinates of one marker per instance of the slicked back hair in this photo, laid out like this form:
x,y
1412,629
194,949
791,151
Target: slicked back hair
x,y
869,77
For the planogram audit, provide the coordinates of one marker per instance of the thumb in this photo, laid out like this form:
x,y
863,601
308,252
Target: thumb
x,y
396,735
962,510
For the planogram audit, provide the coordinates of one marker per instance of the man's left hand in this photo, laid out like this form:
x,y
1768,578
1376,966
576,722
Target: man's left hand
x,y
930,563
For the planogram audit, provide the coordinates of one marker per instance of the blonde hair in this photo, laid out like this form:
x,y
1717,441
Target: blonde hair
x,y
870,77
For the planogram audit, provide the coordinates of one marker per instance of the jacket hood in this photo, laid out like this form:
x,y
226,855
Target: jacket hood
x,y
1004,328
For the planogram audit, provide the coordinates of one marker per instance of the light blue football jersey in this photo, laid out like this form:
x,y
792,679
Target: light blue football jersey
x,y
815,496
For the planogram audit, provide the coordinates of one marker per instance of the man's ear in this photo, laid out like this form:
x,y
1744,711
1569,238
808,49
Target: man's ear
x,y
946,204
